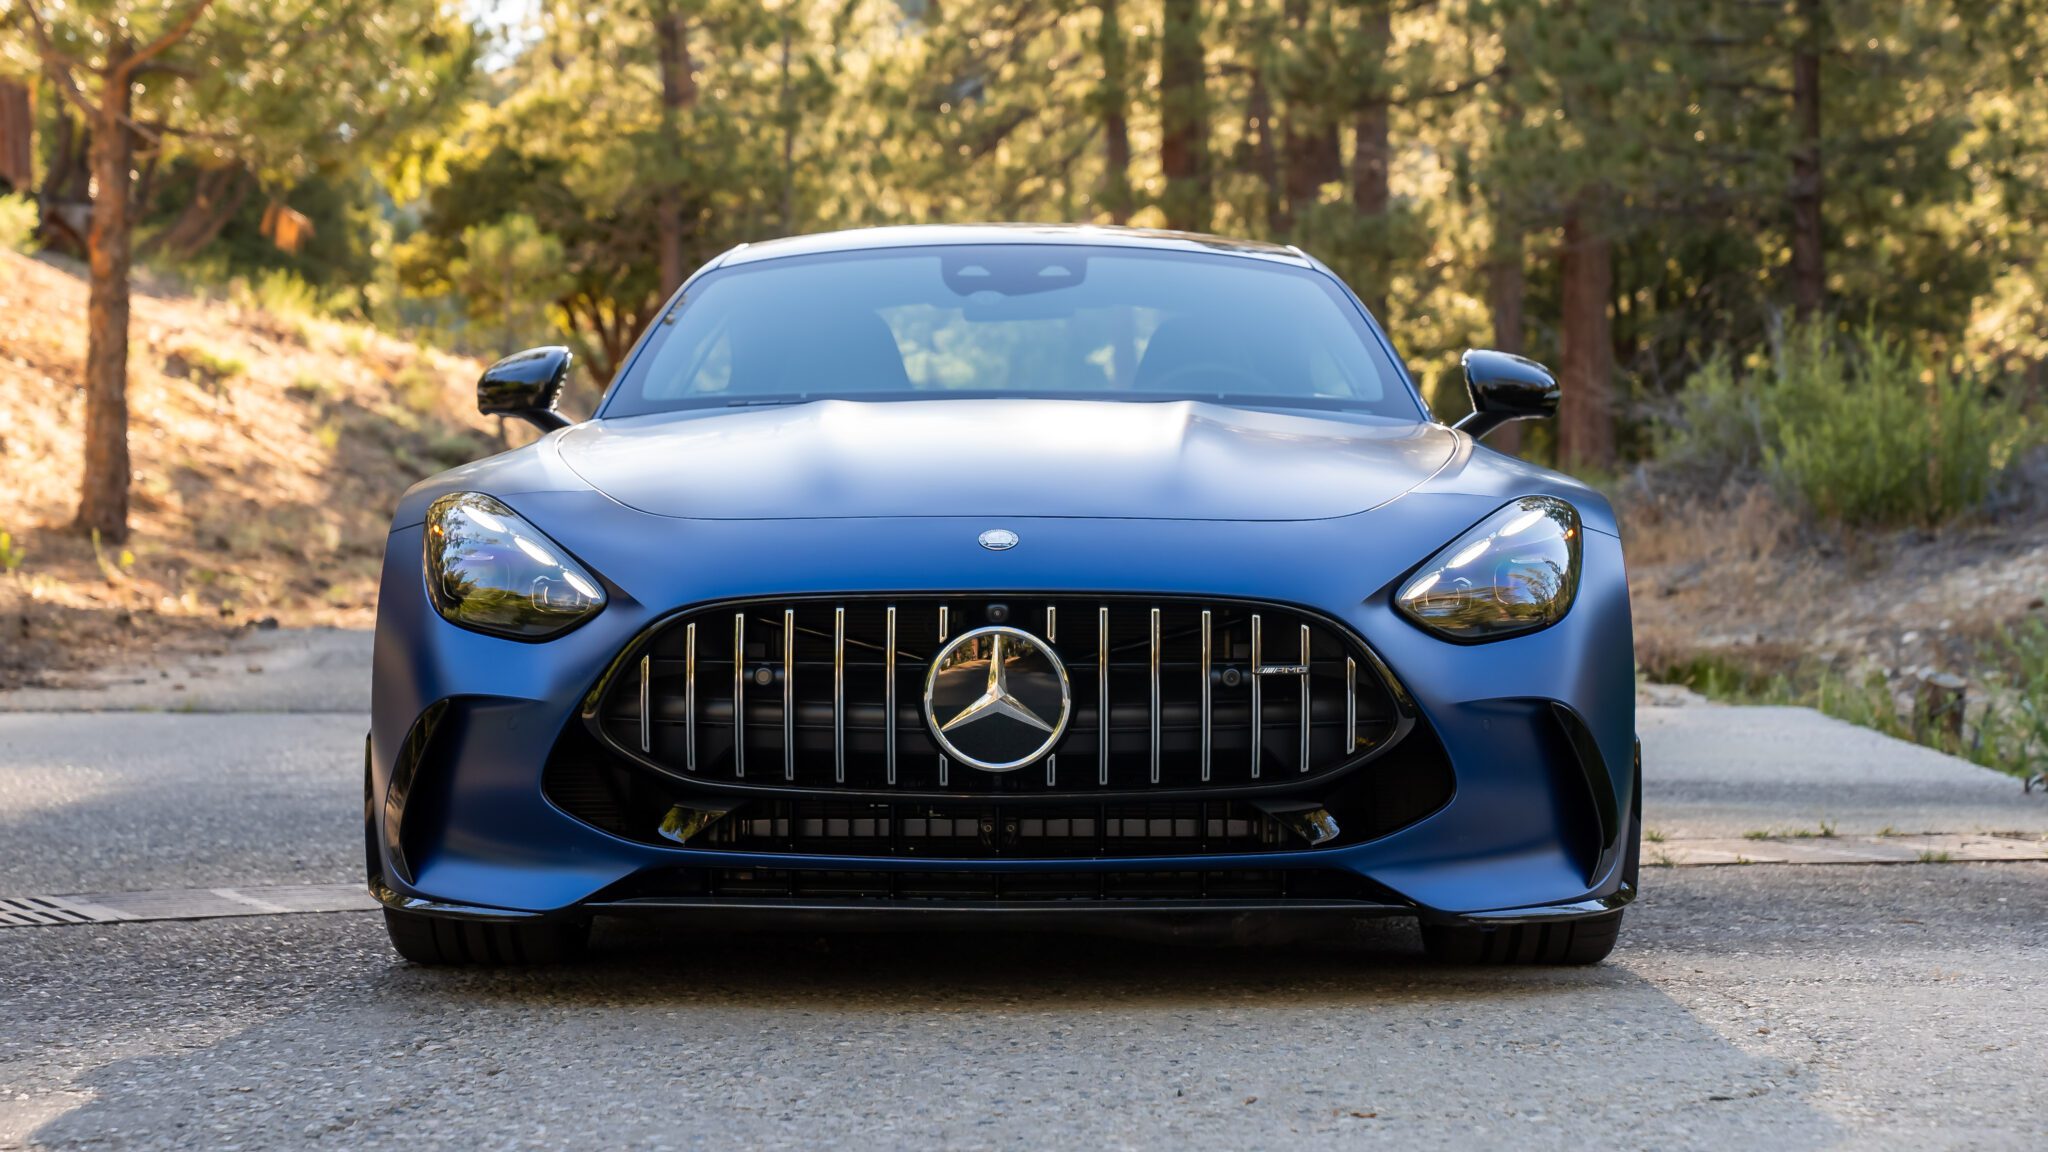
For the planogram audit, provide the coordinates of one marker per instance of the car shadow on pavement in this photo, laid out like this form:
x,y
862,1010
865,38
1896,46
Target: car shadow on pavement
x,y
924,1039
670,963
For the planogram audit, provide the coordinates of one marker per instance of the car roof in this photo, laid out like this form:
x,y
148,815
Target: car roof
x,y
937,235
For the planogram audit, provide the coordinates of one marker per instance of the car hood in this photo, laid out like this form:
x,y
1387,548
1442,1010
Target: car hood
x,y
1004,458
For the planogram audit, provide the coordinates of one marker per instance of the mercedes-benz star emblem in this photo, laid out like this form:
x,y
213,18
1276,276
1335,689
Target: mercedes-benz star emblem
x,y
997,698
998,539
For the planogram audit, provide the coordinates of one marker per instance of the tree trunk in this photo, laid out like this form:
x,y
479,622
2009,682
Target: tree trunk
x,y
103,500
1184,118
1585,432
1809,275
17,137
784,103
1115,98
1310,157
1265,157
678,93
1369,158
1506,288
1369,201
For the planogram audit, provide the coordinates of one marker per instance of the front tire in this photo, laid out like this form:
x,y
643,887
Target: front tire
x,y
1585,941
440,940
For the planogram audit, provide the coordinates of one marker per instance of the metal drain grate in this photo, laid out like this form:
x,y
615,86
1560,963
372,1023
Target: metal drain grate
x,y
31,911
182,904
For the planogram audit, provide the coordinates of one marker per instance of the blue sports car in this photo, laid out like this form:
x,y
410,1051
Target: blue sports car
x,y
961,575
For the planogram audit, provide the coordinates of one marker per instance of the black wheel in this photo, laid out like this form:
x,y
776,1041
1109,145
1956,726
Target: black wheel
x,y
1570,942
440,940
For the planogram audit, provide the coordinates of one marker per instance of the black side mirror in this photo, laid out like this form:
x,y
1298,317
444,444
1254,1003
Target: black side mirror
x,y
527,385
1505,387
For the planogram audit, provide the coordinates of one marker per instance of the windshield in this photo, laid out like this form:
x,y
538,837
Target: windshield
x,y
1010,320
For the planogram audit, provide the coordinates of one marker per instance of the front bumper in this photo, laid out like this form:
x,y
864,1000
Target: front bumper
x,y
1522,838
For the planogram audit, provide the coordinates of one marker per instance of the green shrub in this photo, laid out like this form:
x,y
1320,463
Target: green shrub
x,y
1862,431
2013,734
1717,429
284,295
453,449
18,220
419,389
203,364
11,557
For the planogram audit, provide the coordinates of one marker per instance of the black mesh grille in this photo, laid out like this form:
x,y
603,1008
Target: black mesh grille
x,y
1266,886
1026,829
813,695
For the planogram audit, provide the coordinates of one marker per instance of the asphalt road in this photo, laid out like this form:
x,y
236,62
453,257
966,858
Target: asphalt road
x,y
1748,1006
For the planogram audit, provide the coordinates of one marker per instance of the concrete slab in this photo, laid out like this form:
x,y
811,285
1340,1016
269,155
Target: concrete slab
x,y
279,670
114,802
1938,849
1722,773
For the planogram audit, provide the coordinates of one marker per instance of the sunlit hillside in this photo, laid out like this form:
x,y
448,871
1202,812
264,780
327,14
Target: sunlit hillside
x,y
268,450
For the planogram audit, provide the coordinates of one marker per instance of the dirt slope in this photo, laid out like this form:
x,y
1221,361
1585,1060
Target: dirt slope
x,y
1746,590
268,451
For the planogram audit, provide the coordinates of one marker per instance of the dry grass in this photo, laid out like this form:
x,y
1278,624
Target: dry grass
x,y
267,451
1708,576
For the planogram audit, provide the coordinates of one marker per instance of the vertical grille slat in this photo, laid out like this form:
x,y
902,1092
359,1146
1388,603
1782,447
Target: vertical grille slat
x,y
1307,662
1350,704
690,698
739,695
838,695
1207,691
1258,699
647,703
889,693
789,695
1164,691
1155,696
1102,697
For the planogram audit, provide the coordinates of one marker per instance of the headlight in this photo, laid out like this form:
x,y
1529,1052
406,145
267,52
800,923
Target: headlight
x,y
1513,572
489,570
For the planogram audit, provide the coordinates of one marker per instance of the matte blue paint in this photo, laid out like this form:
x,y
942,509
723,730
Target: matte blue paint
x,y
1205,507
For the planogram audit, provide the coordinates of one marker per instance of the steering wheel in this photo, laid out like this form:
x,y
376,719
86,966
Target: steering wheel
x,y
1163,382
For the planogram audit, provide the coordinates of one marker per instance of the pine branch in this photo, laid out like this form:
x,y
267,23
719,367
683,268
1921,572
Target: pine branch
x,y
59,67
1458,89
178,30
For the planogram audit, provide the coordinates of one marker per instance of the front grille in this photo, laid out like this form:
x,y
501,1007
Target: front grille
x,y
826,694
742,884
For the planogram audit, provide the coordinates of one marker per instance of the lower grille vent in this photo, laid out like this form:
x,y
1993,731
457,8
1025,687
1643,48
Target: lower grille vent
x,y
963,831
772,884
592,784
